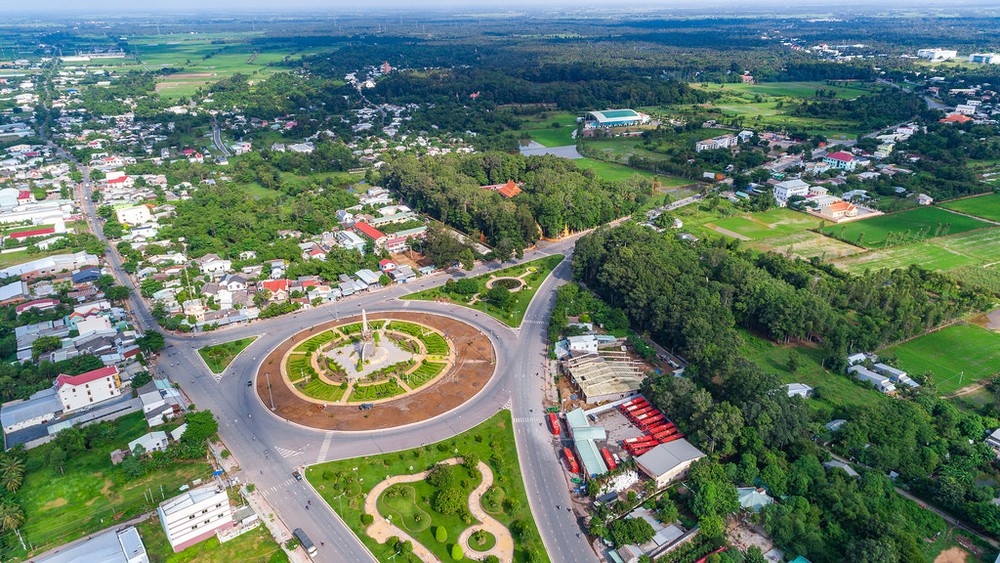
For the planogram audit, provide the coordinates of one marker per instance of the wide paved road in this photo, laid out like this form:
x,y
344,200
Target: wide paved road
x,y
268,448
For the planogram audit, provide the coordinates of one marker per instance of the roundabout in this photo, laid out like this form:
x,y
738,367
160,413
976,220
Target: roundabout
x,y
376,371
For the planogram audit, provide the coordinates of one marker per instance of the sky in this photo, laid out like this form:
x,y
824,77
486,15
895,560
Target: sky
x,y
125,7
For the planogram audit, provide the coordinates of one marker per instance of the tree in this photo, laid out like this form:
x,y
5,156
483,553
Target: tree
x,y
117,293
441,534
448,501
630,530
468,259
43,345
201,426
152,341
499,296
11,516
456,552
11,472
113,230
441,476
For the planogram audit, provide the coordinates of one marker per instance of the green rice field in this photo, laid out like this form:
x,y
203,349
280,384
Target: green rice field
x,y
771,223
971,248
985,206
904,227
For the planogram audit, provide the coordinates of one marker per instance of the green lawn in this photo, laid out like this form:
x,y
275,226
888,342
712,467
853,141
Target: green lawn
x,y
69,499
770,223
971,248
344,483
904,227
255,546
218,356
365,393
985,206
787,89
426,372
613,172
834,391
540,128
319,389
957,356
512,317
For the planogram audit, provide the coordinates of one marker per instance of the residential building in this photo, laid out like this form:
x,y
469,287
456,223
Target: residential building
x,y
195,516
508,190
151,442
799,389
783,191
882,383
721,142
135,215
965,109
993,440
841,160
14,293
836,464
213,264
351,241
670,461
110,546
371,233
87,389
39,408
753,499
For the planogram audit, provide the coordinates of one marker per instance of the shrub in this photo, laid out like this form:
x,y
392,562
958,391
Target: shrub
x,y
456,552
367,519
441,534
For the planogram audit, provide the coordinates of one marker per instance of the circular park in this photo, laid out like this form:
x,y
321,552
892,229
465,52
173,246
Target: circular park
x,y
375,371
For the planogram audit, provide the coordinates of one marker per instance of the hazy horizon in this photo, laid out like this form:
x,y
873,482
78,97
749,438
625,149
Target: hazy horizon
x,y
235,7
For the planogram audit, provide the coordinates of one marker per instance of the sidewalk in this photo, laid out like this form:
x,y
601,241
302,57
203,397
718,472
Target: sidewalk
x,y
279,532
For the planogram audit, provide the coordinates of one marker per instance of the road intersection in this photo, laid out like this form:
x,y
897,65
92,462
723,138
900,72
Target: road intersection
x,y
269,448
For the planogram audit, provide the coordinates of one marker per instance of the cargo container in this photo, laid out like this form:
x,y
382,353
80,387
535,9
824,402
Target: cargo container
x,y
571,460
553,423
608,459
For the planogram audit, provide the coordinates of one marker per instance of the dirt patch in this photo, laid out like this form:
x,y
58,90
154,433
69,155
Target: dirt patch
x,y
56,503
475,361
188,75
727,232
951,555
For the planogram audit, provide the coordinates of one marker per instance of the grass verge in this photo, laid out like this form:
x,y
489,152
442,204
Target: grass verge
x,y
217,357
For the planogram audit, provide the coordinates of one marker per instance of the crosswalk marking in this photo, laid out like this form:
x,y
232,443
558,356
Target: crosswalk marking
x,y
285,453
523,420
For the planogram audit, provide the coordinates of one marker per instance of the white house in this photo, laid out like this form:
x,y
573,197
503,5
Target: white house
x,y
135,215
841,160
880,382
785,190
213,264
151,442
669,461
87,389
195,516
110,546
799,389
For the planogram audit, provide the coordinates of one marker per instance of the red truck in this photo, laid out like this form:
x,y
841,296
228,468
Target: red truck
x,y
553,423
571,460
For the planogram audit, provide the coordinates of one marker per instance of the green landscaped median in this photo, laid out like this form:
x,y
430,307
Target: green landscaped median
x,y
464,293
218,356
344,484
957,356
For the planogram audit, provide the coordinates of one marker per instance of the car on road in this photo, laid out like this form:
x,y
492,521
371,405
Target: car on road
x,y
297,474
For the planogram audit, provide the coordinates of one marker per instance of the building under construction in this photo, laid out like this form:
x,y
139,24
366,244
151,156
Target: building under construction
x,y
606,375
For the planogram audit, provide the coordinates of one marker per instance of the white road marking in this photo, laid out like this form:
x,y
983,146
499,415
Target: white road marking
x,y
285,453
324,448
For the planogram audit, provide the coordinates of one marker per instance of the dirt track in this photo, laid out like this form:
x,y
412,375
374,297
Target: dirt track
x,y
474,367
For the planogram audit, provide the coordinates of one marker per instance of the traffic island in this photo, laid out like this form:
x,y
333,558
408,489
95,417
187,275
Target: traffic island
x,y
332,377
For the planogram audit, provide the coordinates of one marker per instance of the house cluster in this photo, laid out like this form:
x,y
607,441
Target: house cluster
x,y
817,200
22,90
977,108
885,378
33,210
723,141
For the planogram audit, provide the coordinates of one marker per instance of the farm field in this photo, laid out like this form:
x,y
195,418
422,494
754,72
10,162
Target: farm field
x,y
971,248
773,222
344,484
541,130
901,228
957,356
613,172
985,206
806,245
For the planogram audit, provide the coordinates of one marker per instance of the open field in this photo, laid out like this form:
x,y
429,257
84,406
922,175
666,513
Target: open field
x,y
985,206
901,228
611,171
805,244
344,484
255,546
540,128
957,356
531,279
802,90
84,493
219,356
972,248
834,391
773,222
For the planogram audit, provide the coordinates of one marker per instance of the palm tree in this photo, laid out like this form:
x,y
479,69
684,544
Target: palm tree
x,y
11,472
11,517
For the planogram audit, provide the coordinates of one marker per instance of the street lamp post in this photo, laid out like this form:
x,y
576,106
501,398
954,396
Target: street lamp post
x,y
269,393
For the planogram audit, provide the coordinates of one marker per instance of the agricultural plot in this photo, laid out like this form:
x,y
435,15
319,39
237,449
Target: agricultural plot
x,y
957,356
985,206
969,249
757,226
905,227
805,244
613,172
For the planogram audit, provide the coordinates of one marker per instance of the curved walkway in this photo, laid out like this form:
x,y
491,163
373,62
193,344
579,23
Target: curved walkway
x,y
382,529
504,548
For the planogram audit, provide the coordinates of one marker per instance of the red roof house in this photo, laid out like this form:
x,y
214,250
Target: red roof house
x,y
87,377
33,233
508,190
369,232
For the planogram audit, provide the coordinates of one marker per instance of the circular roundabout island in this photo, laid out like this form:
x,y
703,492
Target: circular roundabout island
x,y
375,371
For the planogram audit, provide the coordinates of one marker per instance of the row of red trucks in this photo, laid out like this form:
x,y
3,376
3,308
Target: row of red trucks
x,y
657,428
